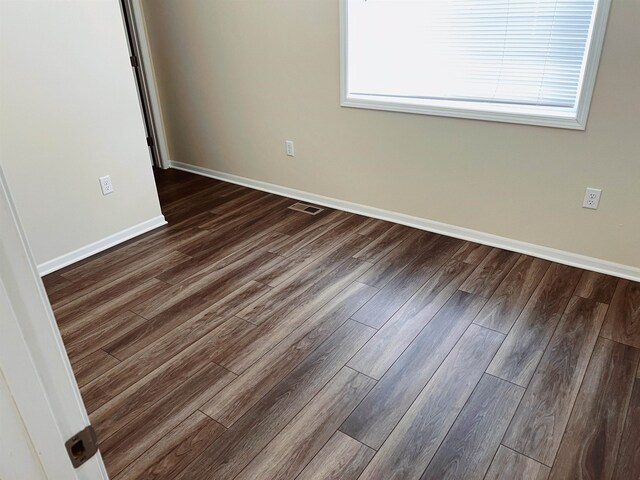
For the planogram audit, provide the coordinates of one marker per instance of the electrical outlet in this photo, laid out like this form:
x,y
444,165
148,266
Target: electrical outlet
x,y
289,145
592,198
106,185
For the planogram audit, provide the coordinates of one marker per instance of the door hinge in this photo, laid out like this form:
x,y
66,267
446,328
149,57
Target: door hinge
x,y
134,61
150,141
82,446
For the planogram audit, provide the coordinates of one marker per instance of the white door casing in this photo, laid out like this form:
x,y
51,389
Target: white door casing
x,y
33,360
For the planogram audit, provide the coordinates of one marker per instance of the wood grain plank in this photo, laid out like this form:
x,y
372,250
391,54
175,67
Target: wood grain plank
x,y
294,221
230,189
83,339
538,425
244,212
191,222
204,241
469,447
136,437
374,227
241,353
591,441
510,465
226,457
314,231
197,295
309,253
406,283
103,303
290,451
597,286
245,391
382,409
172,187
623,319
60,294
412,444
235,204
398,258
628,463
192,270
236,232
508,301
342,458
236,268
148,262
141,251
196,202
287,316
375,358
384,237
167,201
91,295
490,272
54,282
177,348
144,394
521,351
472,253
92,366
207,197
206,200
175,450
285,298
135,340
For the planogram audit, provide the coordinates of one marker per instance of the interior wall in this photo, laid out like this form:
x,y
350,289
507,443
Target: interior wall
x,y
69,114
238,78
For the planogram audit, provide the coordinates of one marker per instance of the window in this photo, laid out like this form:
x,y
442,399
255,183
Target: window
x,y
518,61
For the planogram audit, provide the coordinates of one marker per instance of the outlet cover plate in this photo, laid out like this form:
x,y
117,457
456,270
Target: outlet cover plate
x,y
106,185
289,147
592,198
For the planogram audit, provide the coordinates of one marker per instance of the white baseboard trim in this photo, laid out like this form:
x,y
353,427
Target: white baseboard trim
x,y
96,247
559,256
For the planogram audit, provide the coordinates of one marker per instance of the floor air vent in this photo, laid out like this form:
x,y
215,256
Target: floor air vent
x,y
303,207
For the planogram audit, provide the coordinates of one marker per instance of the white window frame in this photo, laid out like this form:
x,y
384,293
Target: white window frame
x,y
548,117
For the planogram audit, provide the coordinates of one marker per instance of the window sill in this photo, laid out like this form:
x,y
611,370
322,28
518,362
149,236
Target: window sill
x,y
546,118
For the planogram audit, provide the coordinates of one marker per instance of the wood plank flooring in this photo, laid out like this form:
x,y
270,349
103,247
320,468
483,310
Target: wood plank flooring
x,y
245,340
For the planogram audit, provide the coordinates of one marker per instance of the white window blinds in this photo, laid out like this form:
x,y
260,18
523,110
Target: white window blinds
x,y
510,52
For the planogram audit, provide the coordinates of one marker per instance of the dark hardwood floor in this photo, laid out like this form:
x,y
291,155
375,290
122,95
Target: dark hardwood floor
x,y
247,340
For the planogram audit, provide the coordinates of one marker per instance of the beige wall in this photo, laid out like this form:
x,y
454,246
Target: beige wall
x,y
69,114
237,78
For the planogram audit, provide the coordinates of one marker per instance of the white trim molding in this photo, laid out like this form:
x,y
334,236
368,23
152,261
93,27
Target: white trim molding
x,y
97,247
547,253
33,359
155,106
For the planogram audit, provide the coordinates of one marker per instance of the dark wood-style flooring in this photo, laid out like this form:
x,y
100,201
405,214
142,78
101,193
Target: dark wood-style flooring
x,y
246,340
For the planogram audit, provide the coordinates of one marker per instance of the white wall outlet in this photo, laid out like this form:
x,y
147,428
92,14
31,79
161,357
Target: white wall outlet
x,y
592,198
289,145
106,185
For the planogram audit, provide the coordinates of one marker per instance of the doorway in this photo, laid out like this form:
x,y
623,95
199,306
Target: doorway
x,y
140,62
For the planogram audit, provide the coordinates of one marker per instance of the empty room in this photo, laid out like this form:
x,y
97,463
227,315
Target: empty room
x,y
319,239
